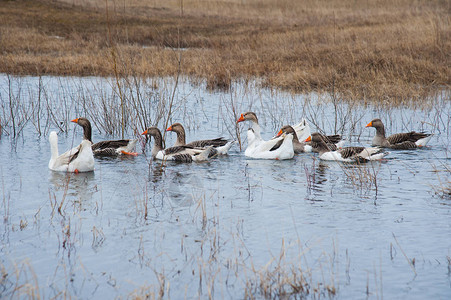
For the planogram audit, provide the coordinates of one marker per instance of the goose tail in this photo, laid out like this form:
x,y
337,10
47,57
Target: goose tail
x,y
422,142
203,156
225,149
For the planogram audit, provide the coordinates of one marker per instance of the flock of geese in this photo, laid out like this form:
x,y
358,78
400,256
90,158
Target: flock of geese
x,y
290,140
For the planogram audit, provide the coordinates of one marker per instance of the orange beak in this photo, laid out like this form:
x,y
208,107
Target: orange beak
x,y
241,119
370,124
309,139
75,120
279,133
169,128
144,133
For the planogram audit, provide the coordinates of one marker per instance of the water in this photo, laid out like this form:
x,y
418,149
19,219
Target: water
x,y
229,227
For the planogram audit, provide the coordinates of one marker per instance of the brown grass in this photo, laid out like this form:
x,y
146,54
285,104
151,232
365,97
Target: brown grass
x,y
385,49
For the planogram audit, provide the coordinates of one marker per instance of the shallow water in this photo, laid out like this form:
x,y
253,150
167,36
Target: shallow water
x,y
229,227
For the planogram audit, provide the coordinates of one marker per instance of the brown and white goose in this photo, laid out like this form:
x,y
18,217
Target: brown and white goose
x,y
176,153
301,147
221,145
346,154
106,148
407,140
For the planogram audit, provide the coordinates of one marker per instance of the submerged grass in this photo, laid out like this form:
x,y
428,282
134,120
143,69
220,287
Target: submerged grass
x,y
383,50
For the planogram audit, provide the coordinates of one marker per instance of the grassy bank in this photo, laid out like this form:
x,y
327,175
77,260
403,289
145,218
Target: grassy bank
x,y
378,50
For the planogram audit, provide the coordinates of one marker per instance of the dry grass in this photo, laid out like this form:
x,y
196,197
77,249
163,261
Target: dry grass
x,y
361,49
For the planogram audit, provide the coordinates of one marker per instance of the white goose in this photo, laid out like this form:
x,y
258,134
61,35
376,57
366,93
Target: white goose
x,y
302,129
78,159
258,141
265,150
346,154
176,153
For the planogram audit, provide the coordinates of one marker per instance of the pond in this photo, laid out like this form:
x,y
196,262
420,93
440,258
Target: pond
x,y
228,228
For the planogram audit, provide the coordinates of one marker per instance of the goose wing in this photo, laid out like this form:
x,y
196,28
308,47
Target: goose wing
x,y
179,150
349,152
68,156
218,142
114,147
187,158
404,145
332,139
406,136
315,146
277,145
110,144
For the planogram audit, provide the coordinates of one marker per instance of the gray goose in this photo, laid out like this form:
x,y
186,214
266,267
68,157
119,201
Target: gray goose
x,y
106,148
301,147
346,154
221,145
177,153
401,141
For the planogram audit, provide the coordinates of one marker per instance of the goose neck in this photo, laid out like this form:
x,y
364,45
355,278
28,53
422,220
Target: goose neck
x,y
257,129
158,144
380,131
54,146
87,131
181,139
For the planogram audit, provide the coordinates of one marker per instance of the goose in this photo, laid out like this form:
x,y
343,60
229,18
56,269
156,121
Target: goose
x,y
265,151
402,141
301,147
272,144
302,129
346,154
78,159
106,148
220,144
176,153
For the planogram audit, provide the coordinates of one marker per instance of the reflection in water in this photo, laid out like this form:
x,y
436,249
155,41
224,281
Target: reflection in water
x,y
184,189
320,179
156,171
76,185
316,180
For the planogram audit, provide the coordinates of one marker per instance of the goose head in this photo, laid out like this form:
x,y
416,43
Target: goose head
x,y
380,130
83,122
287,129
152,131
248,116
177,128
317,138
376,123
158,139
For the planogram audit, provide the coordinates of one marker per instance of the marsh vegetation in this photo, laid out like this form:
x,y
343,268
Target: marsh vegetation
x,y
383,51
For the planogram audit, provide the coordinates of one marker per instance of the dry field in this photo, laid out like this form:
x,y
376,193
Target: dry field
x,y
371,50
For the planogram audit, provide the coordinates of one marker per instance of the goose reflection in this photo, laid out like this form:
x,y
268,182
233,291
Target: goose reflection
x,y
183,190
82,185
320,179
